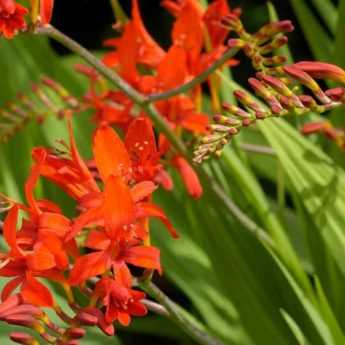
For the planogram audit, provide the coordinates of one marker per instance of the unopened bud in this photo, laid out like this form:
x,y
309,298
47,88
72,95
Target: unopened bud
x,y
276,43
336,94
322,70
313,127
262,91
10,303
211,138
274,60
232,21
24,320
224,120
23,338
87,319
237,111
75,333
272,29
236,43
22,309
247,101
306,80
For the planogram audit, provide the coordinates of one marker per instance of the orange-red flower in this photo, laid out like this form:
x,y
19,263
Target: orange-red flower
x,y
120,300
11,18
46,10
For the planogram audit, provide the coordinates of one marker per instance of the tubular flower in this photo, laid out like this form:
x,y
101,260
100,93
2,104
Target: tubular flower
x,y
46,10
11,18
120,300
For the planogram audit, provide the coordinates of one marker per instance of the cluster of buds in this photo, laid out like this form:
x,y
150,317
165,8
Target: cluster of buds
x,y
15,311
47,98
261,46
12,15
281,96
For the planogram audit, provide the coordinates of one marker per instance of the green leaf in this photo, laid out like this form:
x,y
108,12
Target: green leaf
x,y
318,39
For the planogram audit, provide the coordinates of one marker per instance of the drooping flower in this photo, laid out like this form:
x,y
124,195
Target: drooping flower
x,y
120,300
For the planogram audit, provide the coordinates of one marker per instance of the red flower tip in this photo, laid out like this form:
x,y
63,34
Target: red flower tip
x,y
313,127
76,333
46,10
336,94
189,176
86,318
23,338
10,303
322,70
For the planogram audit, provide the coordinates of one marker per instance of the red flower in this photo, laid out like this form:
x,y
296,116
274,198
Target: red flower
x,y
189,176
120,300
70,173
46,10
134,47
11,18
145,157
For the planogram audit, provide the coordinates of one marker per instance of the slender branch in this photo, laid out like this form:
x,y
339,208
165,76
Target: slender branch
x,y
119,13
180,316
75,47
196,80
155,307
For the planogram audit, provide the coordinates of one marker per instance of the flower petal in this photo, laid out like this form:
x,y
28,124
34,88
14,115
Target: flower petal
x,y
46,10
10,287
89,266
110,153
142,190
10,231
118,208
150,210
35,292
143,256
189,176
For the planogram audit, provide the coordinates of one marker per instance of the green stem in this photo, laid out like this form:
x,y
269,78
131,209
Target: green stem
x,y
119,13
196,80
178,315
75,47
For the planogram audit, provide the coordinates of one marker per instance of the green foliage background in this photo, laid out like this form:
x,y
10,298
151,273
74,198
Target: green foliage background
x,y
244,293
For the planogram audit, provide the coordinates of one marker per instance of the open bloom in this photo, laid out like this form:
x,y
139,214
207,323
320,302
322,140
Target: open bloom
x,y
11,18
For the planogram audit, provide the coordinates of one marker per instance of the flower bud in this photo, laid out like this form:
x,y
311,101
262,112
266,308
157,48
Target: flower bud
x,y
23,338
270,30
276,43
313,127
261,90
86,318
322,70
75,333
336,94
10,303
236,43
306,80
247,101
